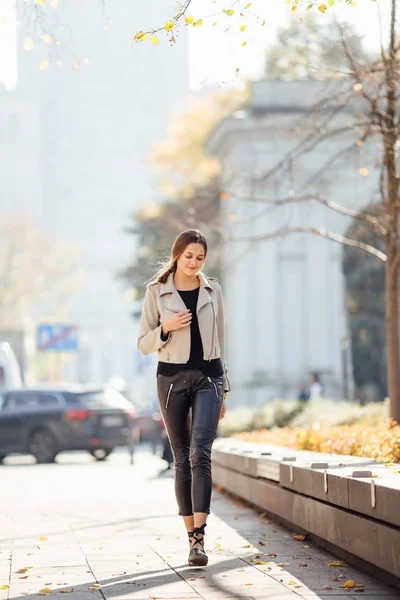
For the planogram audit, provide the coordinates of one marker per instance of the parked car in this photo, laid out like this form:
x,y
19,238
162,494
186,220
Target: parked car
x,y
150,426
46,420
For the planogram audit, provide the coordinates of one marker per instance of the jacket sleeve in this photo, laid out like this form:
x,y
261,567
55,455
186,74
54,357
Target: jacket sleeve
x,y
221,337
149,339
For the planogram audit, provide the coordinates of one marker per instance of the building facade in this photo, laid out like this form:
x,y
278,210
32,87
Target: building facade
x,y
74,157
285,296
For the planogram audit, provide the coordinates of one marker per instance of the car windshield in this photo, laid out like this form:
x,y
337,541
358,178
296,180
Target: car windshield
x,y
104,397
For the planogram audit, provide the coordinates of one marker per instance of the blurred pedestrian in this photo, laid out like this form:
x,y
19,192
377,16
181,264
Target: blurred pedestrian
x,y
303,393
183,321
316,387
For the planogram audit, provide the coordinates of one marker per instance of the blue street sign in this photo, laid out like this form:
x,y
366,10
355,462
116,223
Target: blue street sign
x,y
57,338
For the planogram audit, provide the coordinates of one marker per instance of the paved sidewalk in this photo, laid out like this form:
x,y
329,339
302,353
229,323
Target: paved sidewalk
x,y
110,531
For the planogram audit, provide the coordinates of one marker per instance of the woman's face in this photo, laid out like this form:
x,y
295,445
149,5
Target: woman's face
x,y
191,260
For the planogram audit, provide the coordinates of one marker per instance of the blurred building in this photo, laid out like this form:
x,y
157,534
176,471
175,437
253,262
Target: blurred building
x,y
285,298
73,150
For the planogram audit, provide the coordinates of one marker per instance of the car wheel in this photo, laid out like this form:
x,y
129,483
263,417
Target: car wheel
x,y
43,446
101,453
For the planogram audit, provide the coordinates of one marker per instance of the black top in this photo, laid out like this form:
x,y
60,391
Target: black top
x,y
211,368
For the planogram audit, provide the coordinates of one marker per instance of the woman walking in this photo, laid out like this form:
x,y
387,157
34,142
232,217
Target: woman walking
x,y
183,321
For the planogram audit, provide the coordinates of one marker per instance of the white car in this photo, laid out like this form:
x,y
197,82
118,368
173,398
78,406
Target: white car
x,y
10,373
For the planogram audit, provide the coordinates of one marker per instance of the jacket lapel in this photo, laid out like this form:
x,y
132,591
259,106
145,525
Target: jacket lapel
x,y
170,296
204,292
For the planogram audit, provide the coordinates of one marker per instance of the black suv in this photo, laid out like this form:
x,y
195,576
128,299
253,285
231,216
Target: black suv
x,y
44,421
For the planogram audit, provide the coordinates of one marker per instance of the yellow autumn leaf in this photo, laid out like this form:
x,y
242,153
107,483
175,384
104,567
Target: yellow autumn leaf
x,y
215,23
189,20
95,586
28,44
44,65
298,536
337,563
229,12
357,87
43,538
22,571
140,36
198,23
322,8
244,43
4,587
248,5
47,39
169,25
67,591
243,27
154,40
349,584
45,590
291,582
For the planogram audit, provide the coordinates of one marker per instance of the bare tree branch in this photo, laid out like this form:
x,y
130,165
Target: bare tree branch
x,y
312,140
373,222
287,231
339,154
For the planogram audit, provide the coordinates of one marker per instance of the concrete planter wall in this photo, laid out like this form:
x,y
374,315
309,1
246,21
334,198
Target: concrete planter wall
x,y
350,502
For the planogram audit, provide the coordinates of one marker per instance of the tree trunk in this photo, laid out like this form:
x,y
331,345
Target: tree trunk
x,y
392,338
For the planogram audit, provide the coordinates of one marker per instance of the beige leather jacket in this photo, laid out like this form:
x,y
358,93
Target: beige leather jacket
x,y
161,301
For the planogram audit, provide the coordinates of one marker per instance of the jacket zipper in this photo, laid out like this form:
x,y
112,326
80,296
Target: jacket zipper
x,y
215,387
168,395
212,342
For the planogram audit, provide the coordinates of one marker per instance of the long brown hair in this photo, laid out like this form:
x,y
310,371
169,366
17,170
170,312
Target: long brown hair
x,y
190,236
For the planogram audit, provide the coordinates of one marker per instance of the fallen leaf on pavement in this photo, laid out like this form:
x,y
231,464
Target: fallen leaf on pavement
x,y
260,562
21,571
42,538
4,587
24,577
327,587
45,591
299,537
67,591
95,586
303,565
261,543
272,554
337,563
349,584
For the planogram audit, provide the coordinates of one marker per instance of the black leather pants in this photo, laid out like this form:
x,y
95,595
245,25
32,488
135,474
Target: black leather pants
x,y
190,404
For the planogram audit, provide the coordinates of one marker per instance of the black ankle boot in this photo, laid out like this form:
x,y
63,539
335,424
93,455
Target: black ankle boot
x,y
197,555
